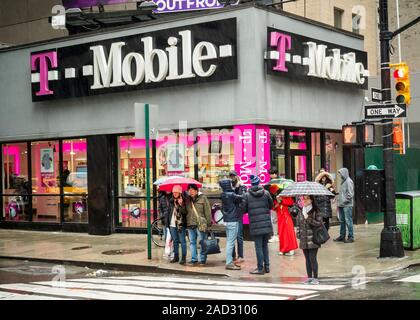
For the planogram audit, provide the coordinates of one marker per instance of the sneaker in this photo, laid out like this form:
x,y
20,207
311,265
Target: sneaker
x,y
256,271
202,264
339,239
173,260
349,240
309,281
232,267
315,281
266,269
192,263
280,253
290,253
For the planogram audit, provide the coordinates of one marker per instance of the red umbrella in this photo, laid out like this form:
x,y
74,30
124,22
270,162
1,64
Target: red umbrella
x,y
183,182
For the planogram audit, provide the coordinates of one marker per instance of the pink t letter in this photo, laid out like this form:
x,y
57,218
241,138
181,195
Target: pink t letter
x,y
43,70
283,43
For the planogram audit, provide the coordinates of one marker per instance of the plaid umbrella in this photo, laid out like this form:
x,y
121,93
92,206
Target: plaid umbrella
x,y
306,188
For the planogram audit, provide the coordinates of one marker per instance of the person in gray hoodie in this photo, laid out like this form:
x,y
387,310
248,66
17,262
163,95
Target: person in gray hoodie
x,y
345,206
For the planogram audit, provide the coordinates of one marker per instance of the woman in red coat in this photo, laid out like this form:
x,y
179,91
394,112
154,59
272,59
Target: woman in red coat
x,y
287,236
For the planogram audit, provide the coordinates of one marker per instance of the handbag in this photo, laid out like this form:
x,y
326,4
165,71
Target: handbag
x,y
320,235
210,246
294,210
201,221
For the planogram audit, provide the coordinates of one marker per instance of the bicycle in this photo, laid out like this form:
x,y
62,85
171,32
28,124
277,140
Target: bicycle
x,y
158,233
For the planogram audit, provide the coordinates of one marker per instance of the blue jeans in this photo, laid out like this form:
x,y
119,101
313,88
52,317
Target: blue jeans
x,y
178,237
195,235
346,219
240,239
261,249
231,235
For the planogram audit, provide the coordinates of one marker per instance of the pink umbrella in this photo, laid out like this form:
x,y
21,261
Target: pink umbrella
x,y
183,182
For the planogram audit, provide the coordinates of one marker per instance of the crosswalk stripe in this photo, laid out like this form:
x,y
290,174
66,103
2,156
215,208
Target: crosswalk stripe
x,y
415,279
178,286
264,285
201,294
75,293
17,296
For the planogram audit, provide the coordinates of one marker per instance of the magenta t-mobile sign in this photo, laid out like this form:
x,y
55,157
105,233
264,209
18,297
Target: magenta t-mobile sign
x,y
252,152
192,54
300,57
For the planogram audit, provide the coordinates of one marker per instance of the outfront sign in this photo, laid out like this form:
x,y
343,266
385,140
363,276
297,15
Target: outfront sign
x,y
385,111
300,57
186,55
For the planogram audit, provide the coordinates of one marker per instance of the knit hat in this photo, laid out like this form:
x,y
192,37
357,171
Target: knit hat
x,y
255,180
177,188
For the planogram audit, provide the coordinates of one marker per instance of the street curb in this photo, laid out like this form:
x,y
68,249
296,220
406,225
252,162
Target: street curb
x,y
115,266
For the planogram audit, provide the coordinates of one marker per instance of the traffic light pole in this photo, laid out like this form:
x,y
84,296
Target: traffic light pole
x,y
391,240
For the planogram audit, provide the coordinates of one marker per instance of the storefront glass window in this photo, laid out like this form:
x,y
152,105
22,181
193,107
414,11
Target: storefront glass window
x,y
297,140
277,147
45,181
175,154
316,153
132,181
45,167
15,182
215,159
75,180
333,154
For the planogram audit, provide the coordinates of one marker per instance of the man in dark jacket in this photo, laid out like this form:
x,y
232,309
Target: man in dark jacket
x,y
240,190
231,216
259,203
345,206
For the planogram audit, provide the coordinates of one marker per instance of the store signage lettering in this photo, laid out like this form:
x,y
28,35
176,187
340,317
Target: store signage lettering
x,y
301,57
192,54
187,5
252,152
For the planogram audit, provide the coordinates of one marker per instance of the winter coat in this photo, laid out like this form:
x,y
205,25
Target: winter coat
x,y
346,195
258,203
164,210
202,205
240,190
324,205
230,202
305,228
180,213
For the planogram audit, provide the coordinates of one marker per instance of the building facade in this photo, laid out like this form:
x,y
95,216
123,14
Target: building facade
x,y
244,88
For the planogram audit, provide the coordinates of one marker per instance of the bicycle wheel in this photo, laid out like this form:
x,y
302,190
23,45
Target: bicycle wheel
x,y
157,233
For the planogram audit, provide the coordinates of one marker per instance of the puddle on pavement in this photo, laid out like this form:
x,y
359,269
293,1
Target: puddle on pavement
x,y
122,251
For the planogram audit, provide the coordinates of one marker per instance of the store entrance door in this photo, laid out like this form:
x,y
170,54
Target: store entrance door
x,y
298,166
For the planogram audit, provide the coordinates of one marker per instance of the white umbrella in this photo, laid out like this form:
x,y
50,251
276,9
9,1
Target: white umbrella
x,y
306,188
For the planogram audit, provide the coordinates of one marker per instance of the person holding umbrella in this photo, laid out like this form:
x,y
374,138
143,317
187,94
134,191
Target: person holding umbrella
x,y
177,223
308,220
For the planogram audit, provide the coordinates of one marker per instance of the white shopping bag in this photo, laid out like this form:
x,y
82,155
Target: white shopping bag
x,y
169,246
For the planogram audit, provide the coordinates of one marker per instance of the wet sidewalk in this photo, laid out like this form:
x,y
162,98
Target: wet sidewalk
x,y
129,252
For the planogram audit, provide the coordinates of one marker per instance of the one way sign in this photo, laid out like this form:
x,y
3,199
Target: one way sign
x,y
385,111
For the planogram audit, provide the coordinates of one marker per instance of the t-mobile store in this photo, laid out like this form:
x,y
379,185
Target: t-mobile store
x,y
243,88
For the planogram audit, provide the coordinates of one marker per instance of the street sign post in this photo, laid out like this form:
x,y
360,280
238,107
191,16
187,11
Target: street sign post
x,y
385,111
376,95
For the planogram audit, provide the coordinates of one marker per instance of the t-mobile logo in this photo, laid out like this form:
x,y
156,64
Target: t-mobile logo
x,y
39,61
283,42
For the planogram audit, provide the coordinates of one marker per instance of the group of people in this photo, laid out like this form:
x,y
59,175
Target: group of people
x,y
185,212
